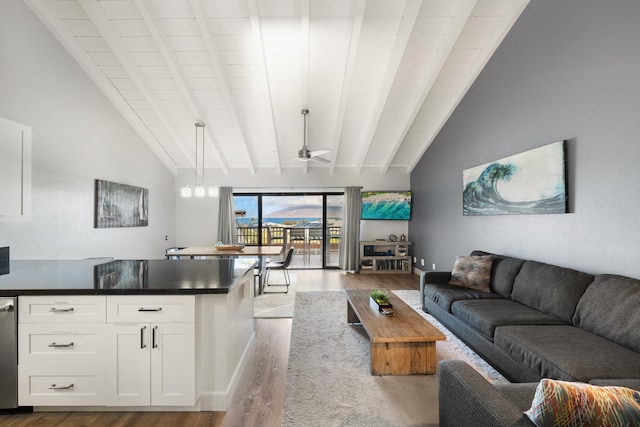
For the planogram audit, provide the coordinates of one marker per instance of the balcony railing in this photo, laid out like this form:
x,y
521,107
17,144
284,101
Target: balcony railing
x,y
250,236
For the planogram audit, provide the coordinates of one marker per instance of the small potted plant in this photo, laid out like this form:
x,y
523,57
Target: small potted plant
x,y
379,300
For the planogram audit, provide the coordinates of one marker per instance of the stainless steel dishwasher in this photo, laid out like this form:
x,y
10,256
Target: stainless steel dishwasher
x,y
8,353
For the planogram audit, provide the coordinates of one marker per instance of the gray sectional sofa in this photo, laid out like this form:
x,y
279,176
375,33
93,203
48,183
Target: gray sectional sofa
x,y
543,321
466,398
538,321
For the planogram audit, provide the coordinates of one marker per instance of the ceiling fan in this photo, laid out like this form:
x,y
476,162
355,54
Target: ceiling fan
x,y
304,154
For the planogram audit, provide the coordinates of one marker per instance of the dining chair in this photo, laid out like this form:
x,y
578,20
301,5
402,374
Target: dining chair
x,y
279,265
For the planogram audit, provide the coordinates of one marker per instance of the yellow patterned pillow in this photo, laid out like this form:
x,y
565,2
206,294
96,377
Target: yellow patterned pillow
x,y
567,404
473,272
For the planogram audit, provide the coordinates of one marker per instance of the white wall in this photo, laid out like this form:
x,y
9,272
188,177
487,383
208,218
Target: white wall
x,y
78,137
196,219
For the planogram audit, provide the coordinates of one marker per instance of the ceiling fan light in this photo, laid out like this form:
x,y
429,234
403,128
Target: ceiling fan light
x,y
185,191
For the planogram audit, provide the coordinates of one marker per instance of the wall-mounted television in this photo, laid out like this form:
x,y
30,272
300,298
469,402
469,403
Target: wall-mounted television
x,y
386,205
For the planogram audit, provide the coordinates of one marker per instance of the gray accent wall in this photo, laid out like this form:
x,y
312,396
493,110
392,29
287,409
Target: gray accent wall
x,y
568,70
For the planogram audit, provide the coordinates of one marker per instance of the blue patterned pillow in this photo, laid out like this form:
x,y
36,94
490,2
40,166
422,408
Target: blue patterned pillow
x,y
567,404
472,272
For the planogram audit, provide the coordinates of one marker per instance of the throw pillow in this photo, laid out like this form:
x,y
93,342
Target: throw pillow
x,y
567,404
473,272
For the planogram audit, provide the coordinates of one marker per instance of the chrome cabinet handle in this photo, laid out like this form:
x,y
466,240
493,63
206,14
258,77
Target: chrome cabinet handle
x,y
54,345
153,337
61,387
150,309
142,344
61,310
7,307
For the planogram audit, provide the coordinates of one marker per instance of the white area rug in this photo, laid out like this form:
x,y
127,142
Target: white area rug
x,y
276,305
328,377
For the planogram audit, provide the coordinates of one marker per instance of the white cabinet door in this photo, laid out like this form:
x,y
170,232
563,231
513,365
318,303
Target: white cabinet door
x,y
15,171
128,364
151,364
173,364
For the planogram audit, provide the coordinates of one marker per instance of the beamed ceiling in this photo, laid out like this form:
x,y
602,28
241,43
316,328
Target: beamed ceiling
x,y
379,77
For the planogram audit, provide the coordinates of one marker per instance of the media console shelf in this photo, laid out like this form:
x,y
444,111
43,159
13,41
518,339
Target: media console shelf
x,y
384,257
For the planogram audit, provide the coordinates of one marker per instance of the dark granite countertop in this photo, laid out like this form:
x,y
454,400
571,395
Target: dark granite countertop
x,y
123,277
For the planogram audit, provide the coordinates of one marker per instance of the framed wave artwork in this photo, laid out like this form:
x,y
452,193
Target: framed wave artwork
x,y
533,182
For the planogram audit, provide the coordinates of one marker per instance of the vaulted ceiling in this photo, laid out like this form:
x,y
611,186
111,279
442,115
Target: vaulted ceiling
x,y
379,77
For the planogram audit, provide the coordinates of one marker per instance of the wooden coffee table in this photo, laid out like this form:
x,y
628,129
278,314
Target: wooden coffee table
x,y
401,344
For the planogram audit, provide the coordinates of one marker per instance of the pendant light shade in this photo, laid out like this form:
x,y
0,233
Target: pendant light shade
x,y
199,188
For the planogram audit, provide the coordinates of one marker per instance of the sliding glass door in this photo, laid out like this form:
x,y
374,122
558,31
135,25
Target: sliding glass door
x,y
310,223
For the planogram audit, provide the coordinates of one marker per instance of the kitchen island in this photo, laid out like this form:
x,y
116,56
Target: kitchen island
x,y
147,335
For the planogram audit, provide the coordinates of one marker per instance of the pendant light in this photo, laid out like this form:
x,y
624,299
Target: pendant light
x,y
199,188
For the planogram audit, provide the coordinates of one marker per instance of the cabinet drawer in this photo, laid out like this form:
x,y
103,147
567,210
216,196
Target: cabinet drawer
x,y
62,309
61,343
156,308
61,385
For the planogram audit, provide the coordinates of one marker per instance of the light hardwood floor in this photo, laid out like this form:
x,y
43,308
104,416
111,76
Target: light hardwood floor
x,y
259,397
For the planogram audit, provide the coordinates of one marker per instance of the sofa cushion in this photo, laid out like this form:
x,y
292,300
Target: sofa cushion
x,y
625,382
550,289
486,314
520,394
472,272
444,294
567,353
610,308
503,272
568,404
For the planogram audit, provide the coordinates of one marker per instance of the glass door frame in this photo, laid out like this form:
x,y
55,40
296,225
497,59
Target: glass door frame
x,y
324,194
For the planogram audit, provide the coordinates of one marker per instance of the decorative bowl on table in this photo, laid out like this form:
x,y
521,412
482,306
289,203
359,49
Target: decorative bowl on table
x,y
229,247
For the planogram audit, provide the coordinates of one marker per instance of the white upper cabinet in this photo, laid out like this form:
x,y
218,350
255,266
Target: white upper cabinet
x,y
15,171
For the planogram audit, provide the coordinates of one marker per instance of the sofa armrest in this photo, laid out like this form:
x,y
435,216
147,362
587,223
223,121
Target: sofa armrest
x,y
441,277
466,398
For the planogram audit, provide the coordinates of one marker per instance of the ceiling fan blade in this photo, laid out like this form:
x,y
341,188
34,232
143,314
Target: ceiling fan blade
x,y
320,152
320,159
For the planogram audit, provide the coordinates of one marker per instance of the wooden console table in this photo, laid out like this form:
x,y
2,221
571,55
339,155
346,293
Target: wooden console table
x,y
401,344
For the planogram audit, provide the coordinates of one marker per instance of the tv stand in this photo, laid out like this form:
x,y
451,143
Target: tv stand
x,y
384,257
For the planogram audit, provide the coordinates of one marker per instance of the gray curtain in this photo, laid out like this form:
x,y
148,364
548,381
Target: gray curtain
x,y
226,217
350,240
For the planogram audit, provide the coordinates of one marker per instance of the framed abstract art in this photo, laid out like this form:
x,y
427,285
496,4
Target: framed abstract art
x,y
120,205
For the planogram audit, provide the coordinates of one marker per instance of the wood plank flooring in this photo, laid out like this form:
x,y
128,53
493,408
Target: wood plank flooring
x,y
259,397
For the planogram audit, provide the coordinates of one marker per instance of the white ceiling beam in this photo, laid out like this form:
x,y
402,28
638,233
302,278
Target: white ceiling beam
x,y
102,23
356,31
508,19
48,16
256,30
187,93
412,9
460,18
225,87
304,62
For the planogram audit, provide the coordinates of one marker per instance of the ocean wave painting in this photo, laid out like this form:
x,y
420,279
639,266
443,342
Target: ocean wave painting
x,y
386,205
533,182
